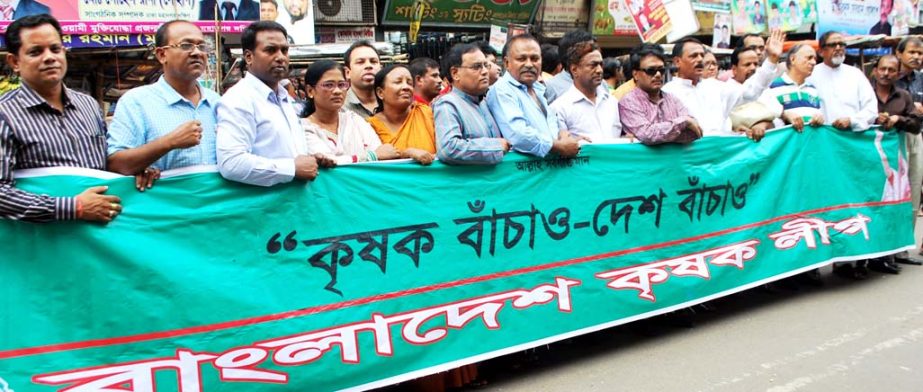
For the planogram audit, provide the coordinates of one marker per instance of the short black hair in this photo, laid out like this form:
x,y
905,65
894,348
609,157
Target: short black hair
x,y
569,39
363,43
453,58
273,2
611,67
161,36
487,49
13,36
520,37
679,46
735,55
550,59
248,37
420,65
912,39
740,42
644,50
822,41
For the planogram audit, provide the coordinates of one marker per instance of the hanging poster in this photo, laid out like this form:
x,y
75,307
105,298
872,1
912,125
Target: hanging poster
x,y
721,38
611,17
789,15
859,17
683,21
650,19
723,6
749,16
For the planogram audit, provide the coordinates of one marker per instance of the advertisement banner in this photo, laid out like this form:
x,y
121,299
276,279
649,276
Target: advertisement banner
x,y
611,17
749,16
133,16
564,12
650,18
377,273
789,15
860,17
462,13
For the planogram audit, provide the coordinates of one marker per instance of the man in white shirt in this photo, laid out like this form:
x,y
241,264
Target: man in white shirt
x,y
847,98
751,86
710,101
260,140
587,109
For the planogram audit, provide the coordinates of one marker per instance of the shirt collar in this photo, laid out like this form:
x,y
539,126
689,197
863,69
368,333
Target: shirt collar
x,y
538,87
173,97
263,90
686,82
30,98
235,2
891,94
418,99
602,93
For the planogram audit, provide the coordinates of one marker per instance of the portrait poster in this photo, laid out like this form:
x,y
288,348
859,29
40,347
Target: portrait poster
x,y
790,15
721,37
650,19
297,16
611,17
858,17
749,16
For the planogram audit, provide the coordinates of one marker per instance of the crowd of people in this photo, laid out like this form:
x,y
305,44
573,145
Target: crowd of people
x,y
466,109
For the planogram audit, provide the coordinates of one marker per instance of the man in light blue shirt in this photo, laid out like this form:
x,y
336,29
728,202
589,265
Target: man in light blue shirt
x,y
518,103
169,124
260,139
465,131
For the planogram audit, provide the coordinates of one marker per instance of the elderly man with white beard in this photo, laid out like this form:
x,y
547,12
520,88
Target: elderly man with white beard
x,y
847,98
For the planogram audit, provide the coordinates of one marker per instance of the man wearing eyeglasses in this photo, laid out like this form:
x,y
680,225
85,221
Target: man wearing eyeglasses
x,y
466,133
649,114
847,98
169,124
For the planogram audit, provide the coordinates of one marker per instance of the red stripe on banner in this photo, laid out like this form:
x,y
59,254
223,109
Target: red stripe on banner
x,y
22,352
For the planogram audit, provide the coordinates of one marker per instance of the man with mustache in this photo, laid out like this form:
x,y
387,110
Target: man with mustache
x,y
896,111
910,53
169,124
587,109
45,124
260,139
649,114
466,132
563,81
298,21
848,101
518,104
362,63
709,101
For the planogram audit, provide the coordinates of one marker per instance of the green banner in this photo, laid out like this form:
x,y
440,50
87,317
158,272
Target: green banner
x,y
377,273
462,13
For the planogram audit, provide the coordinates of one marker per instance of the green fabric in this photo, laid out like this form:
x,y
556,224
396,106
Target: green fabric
x,y
198,267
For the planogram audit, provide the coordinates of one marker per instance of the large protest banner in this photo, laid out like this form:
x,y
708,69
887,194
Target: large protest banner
x,y
377,273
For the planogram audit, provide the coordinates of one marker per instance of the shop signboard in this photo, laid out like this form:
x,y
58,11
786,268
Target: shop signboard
x,y
462,13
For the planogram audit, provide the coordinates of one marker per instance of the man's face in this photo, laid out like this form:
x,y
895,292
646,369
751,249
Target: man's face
x,y
41,61
834,50
912,56
473,77
588,73
757,44
886,71
180,63
725,34
296,8
363,65
747,63
649,75
494,69
269,61
268,11
429,84
524,61
690,64
804,60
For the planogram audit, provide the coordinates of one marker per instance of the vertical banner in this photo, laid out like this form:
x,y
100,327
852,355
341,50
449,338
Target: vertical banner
x,y
749,16
650,19
721,37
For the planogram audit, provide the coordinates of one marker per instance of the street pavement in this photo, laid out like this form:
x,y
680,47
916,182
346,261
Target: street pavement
x,y
844,336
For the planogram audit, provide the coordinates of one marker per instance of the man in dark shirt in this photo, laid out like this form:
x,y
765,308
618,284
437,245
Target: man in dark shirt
x,y
910,54
46,124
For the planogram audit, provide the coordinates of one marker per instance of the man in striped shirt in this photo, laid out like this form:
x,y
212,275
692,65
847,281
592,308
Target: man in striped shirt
x,y
790,96
465,130
46,124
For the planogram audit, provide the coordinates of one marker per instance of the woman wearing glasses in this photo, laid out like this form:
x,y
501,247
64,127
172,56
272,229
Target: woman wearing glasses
x,y
401,121
340,134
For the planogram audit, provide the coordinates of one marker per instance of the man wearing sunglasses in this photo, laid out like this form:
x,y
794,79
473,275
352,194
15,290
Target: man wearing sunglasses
x,y
169,124
649,114
847,98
